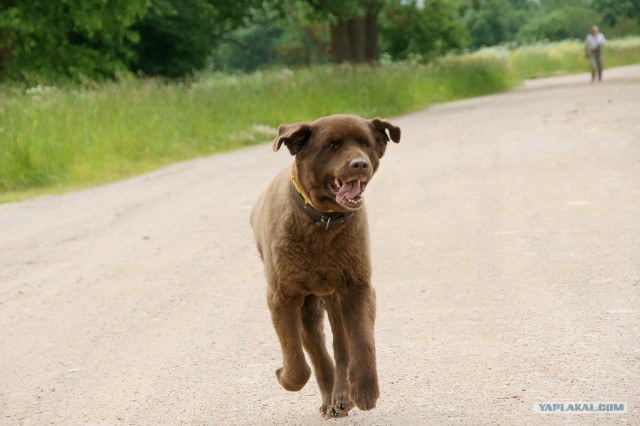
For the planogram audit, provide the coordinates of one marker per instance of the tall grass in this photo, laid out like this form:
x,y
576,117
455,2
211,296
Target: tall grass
x,y
61,137
58,138
566,57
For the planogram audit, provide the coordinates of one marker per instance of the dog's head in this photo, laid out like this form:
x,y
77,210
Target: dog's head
x,y
336,156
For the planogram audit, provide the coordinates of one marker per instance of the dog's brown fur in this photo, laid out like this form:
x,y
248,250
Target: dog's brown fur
x,y
310,269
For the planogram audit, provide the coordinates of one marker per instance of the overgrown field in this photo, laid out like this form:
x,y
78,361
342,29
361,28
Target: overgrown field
x,y
57,138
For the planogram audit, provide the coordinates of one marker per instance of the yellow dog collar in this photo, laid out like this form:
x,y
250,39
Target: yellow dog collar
x,y
300,189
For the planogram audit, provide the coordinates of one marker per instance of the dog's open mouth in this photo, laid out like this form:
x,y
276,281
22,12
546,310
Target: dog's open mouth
x,y
348,194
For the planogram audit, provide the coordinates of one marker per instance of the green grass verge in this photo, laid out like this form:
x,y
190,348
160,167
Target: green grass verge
x,y
568,57
55,139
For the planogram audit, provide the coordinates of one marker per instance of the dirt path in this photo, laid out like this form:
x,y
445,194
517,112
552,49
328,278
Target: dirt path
x,y
506,247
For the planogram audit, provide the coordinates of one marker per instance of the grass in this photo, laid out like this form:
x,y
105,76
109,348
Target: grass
x,y
567,57
55,139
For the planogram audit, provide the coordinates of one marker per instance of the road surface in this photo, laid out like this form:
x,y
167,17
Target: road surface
x,y
506,248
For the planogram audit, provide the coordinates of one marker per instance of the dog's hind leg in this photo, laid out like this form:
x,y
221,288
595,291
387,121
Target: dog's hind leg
x,y
340,402
314,343
286,316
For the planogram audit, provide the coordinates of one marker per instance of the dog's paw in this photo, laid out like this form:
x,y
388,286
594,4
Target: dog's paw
x,y
293,380
365,393
340,406
323,410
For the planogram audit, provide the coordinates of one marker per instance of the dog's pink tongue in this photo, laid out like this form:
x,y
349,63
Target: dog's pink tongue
x,y
348,190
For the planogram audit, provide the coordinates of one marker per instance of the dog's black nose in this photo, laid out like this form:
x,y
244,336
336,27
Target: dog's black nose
x,y
359,164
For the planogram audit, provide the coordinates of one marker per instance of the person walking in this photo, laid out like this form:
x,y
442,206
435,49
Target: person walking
x,y
594,44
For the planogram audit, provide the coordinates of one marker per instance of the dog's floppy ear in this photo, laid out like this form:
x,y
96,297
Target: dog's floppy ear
x,y
294,136
384,131
382,126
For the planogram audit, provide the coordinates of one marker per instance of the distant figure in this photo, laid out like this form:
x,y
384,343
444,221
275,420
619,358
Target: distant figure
x,y
594,43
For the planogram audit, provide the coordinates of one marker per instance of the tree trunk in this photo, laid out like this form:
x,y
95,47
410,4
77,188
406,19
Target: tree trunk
x,y
4,57
357,38
340,42
371,36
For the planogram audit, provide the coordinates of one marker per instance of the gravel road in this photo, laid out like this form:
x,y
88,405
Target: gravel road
x,y
506,250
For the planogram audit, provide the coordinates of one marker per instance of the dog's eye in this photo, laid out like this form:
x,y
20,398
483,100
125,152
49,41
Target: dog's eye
x,y
363,143
335,144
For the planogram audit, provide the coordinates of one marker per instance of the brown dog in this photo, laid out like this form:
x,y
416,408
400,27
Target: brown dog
x,y
311,230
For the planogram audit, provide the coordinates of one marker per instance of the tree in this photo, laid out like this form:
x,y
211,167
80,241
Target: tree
x,y
353,27
613,10
426,30
96,38
72,38
488,21
176,37
274,37
565,22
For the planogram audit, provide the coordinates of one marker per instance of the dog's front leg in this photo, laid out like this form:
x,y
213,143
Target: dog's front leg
x,y
340,397
286,317
358,314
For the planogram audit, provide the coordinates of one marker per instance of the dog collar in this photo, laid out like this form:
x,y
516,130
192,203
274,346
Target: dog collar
x,y
326,220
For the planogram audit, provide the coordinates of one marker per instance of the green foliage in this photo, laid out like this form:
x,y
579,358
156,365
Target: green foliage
x,y
273,39
338,10
491,22
566,22
177,36
44,40
410,30
614,10
72,38
80,40
250,48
